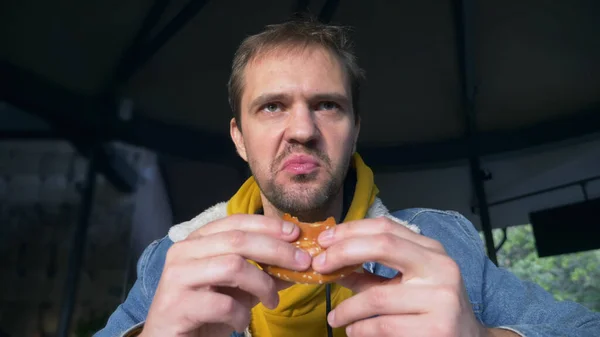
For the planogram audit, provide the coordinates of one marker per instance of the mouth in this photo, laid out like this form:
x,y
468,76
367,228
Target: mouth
x,y
300,164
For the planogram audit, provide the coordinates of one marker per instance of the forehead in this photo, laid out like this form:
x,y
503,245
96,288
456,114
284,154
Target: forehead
x,y
301,70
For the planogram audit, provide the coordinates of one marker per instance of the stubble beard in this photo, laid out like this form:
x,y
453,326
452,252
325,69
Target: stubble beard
x,y
305,200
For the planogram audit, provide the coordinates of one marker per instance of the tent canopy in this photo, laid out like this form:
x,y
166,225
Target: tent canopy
x,y
532,65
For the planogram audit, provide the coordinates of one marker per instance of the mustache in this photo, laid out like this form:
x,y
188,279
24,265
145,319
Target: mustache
x,y
299,149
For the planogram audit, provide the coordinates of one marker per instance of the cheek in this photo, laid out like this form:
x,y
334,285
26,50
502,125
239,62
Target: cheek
x,y
341,144
261,148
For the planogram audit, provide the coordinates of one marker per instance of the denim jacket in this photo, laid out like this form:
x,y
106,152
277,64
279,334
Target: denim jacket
x,y
498,297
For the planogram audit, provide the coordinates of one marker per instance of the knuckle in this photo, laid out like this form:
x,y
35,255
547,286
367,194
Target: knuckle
x,y
437,246
174,252
378,299
386,242
225,306
234,264
448,295
335,253
236,238
284,251
384,328
441,328
385,224
450,267
172,273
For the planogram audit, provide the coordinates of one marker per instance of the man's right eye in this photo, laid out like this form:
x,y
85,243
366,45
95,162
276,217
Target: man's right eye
x,y
271,107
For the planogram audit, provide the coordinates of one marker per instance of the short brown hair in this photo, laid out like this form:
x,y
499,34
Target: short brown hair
x,y
297,32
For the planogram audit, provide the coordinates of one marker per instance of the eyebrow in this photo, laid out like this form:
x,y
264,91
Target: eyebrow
x,y
332,96
266,98
270,97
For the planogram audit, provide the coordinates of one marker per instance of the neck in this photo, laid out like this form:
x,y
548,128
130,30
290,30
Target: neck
x,y
333,208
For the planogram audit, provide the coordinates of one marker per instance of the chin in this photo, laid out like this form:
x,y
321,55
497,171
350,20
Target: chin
x,y
304,179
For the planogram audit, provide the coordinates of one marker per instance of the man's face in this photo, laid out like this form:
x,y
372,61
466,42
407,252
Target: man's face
x,y
298,130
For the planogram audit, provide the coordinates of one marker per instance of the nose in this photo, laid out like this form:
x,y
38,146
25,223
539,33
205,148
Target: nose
x,y
302,127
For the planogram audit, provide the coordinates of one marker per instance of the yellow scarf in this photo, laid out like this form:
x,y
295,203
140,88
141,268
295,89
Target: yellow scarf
x,y
301,310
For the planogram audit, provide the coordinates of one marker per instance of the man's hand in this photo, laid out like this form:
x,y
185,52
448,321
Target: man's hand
x,y
208,287
426,298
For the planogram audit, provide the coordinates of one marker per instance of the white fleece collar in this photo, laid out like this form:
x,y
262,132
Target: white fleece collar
x,y
181,231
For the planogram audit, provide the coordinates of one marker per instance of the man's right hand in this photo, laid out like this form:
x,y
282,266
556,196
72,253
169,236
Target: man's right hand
x,y
208,287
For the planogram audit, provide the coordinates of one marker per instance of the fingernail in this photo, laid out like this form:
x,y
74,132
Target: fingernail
x,y
348,330
320,259
287,227
326,235
302,257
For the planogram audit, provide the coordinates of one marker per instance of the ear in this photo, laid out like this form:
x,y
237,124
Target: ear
x,y
238,138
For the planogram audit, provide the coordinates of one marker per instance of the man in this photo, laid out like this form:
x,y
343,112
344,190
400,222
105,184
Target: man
x,y
294,93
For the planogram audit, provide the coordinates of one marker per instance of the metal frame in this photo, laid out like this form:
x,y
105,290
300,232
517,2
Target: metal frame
x,y
579,126
77,250
29,135
75,118
124,69
72,115
140,53
464,13
581,182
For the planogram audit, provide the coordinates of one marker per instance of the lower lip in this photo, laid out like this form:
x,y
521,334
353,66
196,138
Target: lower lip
x,y
304,168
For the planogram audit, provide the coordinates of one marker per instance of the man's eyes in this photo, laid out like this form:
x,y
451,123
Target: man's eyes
x,y
325,105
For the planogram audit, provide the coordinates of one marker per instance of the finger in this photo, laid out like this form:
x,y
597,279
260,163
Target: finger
x,y
397,299
281,284
223,271
375,226
257,247
359,282
396,326
217,308
198,309
403,255
250,223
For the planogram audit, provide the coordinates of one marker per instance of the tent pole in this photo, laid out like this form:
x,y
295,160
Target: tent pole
x,y
465,18
77,249
144,52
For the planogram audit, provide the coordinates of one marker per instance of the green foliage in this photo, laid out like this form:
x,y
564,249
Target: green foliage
x,y
574,277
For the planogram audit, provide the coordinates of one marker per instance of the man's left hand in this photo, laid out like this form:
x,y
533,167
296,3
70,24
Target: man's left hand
x,y
426,298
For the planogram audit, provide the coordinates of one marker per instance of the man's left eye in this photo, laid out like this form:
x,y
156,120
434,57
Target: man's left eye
x,y
327,106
